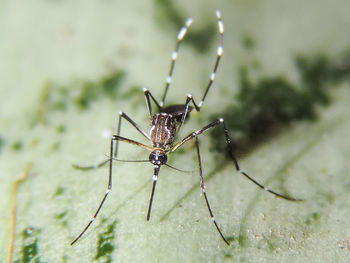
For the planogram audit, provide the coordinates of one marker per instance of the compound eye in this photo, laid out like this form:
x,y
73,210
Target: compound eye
x,y
152,158
158,158
163,158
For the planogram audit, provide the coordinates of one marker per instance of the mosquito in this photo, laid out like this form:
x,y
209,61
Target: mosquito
x,y
165,125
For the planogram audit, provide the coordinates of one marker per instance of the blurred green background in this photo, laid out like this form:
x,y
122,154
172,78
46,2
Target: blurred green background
x,y
67,69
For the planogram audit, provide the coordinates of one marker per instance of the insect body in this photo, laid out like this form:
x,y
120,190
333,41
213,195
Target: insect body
x,y
165,125
163,130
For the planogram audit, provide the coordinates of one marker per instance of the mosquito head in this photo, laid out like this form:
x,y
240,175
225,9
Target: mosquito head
x,y
158,157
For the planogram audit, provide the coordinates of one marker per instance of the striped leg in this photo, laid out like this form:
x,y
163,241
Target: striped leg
x,y
154,178
180,36
230,151
212,76
109,188
204,193
218,57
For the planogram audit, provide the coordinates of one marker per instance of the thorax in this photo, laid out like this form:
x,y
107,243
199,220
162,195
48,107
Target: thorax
x,y
163,130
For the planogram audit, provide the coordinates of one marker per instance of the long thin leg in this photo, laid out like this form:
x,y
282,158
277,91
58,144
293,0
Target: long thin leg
x,y
212,76
205,194
185,111
126,117
121,116
218,57
180,36
155,178
123,139
109,187
229,147
148,96
233,158
94,166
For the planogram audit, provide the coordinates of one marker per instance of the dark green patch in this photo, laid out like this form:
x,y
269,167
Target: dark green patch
x,y
81,93
61,215
17,146
231,239
62,218
89,92
312,218
319,73
111,83
168,14
134,95
60,128
105,245
266,105
29,246
242,240
248,42
55,146
202,38
106,87
61,98
59,191
131,92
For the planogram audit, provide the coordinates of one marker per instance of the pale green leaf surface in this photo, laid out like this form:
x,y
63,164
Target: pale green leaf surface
x,y
60,42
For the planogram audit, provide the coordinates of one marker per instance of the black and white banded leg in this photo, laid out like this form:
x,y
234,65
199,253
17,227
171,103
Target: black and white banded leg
x,y
218,57
204,192
230,151
233,158
154,179
212,75
180,37
109,188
